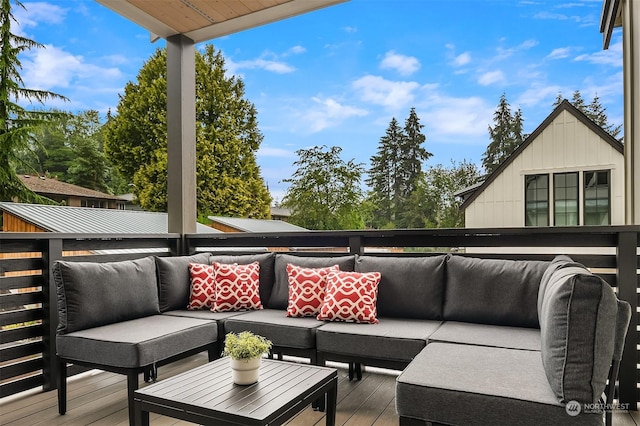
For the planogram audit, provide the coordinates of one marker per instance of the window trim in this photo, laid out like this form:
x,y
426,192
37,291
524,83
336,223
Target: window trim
x,y
526,199
584,197
578,212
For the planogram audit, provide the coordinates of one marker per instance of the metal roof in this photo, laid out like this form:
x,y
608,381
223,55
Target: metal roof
x,y
202,20
256,225
88,220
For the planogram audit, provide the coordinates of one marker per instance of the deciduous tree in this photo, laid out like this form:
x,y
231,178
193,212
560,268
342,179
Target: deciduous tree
x,y
324,191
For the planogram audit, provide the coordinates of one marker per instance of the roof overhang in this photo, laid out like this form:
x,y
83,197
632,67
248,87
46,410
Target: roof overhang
x,y
611,18
202,20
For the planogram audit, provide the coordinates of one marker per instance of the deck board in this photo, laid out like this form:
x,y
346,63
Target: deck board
x,y
99,399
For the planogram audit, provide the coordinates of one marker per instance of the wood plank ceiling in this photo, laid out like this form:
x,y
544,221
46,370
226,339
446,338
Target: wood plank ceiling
x,y
202,20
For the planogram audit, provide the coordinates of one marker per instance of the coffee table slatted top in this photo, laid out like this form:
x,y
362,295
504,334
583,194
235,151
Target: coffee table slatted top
x,y
210,387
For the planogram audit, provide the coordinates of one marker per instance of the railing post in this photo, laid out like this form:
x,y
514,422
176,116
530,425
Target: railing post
x,y
627,290
52,251
355,245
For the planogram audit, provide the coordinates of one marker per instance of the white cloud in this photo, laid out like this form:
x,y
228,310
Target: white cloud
x,y
52,67
297,50
404,65
491,77
611,56
559,53
451,117
329,113
260,63
350,29
390,94
537,94
462,59
36,13
267,151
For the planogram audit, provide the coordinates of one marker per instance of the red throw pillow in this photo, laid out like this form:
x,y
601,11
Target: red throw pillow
x,y
203,289
237,287
351,296
306,289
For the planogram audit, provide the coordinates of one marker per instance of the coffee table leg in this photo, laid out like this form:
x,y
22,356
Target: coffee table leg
x,y
332,399
141,417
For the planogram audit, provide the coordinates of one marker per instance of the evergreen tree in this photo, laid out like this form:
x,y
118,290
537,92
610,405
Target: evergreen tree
x,y
594,110
325,190
17,124
227,139
506,135
384,179
412,156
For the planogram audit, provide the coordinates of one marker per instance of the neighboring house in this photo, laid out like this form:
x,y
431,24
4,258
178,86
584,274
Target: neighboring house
x,y
71,195
20,217
280,213
569,171
234,224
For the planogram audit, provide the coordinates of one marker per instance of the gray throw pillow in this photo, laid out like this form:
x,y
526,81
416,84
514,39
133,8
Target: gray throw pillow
x,y
280,295
410,287
578,326
94,294
174,284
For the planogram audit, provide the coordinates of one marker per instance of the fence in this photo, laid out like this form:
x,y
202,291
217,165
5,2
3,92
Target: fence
x,y
28,315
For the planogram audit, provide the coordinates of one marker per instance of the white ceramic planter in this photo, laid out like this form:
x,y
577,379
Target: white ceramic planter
x,y
245,371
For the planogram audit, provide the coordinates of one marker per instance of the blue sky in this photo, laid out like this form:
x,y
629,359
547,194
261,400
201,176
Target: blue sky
x,y
338,76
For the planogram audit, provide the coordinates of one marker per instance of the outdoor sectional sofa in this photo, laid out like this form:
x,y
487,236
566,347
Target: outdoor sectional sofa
x,y
480,341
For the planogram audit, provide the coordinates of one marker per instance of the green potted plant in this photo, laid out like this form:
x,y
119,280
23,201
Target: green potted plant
x,y
245,351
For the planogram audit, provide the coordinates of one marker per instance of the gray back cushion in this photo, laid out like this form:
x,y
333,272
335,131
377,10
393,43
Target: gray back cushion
x,y
490,291
410,287
174,284
94,294
266,261
578,314
280,295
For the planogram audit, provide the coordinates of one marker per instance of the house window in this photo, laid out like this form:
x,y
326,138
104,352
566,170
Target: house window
x,y
596,198
537,200
565,199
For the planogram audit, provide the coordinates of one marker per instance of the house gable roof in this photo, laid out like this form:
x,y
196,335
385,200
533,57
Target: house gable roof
x,y
88,220
565,105
44,185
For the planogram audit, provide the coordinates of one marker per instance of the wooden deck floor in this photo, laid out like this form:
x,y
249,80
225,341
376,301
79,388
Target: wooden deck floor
x,y
99,398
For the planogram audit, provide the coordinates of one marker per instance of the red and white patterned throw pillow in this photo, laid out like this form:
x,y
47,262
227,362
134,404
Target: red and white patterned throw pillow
x,y
351,297
237,287
306,289
203,289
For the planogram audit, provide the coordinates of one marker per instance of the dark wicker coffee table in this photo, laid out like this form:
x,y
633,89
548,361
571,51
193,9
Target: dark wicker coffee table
x,y
207,395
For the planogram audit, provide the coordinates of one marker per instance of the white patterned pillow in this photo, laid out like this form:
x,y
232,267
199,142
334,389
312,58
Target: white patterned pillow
x,y
351,297
306,289
237,287
203,288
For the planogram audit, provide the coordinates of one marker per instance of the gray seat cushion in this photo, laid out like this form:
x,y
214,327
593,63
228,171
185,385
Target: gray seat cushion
x,y
391,339
479,385
266,261
492,291
488,335
280,294
204,314
94,294
138,342
578,313
410,287
273,324
174,284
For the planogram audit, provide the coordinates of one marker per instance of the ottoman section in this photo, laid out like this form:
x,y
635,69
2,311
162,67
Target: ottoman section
x,y
138,342
488,335
479,385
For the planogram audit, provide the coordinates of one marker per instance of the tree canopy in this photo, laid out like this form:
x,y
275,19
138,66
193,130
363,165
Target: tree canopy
x,y
18,126
506,135
325,190
227,139
395,171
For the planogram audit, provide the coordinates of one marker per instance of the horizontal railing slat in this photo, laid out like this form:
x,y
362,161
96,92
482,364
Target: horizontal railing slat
x,y
20,350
